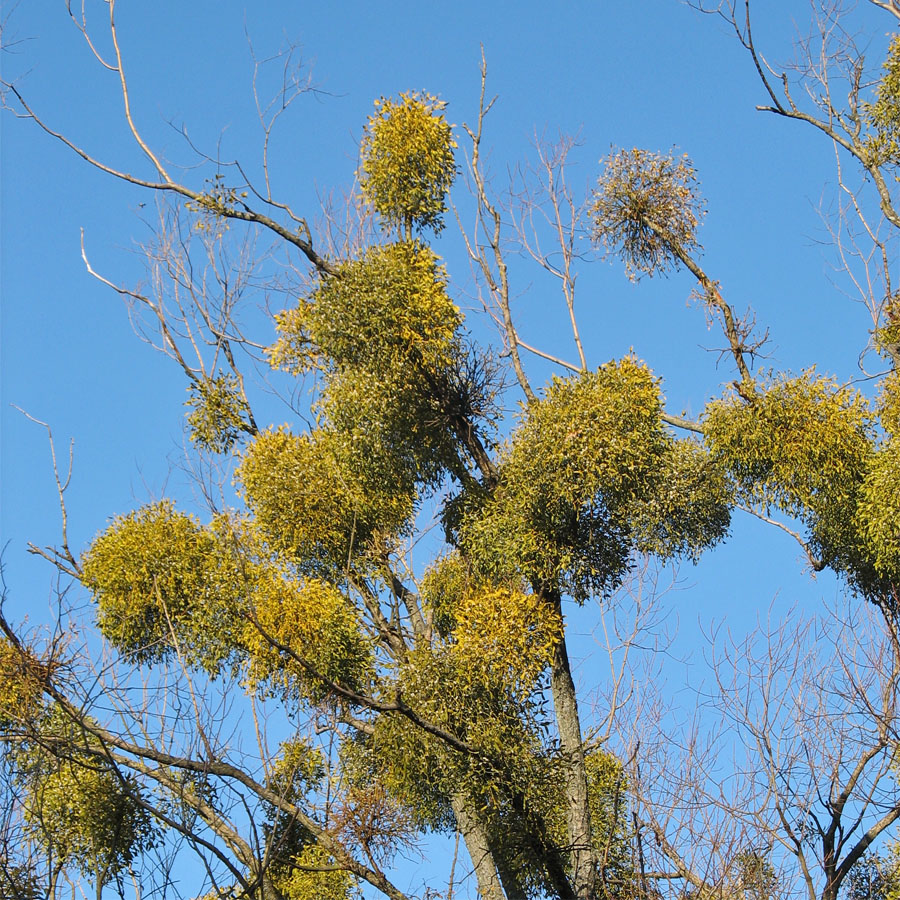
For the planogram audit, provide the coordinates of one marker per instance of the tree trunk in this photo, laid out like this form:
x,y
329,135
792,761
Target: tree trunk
x,y
474,835
581,854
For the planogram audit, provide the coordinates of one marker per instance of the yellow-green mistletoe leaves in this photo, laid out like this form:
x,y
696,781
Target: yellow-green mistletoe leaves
x,y
505,636
315,875
805,446
887,335
646,209
77,805
298,767
889,404
801,443
480,680
584,484
162,582
879,512
441,588
596,434
387,337
21,678
610,824
392,302
301,636
687,508
219,413
165,584
873,875
311,506
407,163
418,768
84,814
883,140
496,631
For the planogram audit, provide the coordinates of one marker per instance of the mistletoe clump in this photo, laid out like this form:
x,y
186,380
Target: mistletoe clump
x,y
407,162
646,210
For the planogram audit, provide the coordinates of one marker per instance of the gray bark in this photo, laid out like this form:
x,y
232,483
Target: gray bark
x,y
475,836
581,854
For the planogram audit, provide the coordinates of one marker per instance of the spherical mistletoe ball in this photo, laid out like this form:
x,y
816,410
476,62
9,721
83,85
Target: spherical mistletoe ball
x,y
646,209
407,163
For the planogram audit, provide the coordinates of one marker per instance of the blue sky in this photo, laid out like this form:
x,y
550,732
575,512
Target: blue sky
x,y
649,73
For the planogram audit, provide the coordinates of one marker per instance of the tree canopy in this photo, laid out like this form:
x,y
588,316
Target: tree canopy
x,y
359,644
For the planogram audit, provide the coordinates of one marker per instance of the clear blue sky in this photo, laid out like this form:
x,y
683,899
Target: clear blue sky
x,y
646,73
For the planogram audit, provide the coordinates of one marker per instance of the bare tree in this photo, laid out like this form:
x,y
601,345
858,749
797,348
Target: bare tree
x,y
789,760
832,86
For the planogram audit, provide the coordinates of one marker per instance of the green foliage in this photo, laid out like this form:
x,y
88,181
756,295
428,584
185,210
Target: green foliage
x,y
646,209
887,335
78,805
875,876
387,337
688,508
584,483
800,446
163,583
879,511
393,430
483,683
19,883
473,702
889,404
21,679
315,876
611,828
578,458
497,625
393,300
298,769
755,876
883,116
504,636
407,163
144,573
218,413
478,686
310,504
300,634
806,447
441,588
414,769
453,704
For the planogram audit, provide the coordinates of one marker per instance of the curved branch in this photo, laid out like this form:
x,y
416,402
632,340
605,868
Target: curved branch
x,y
345,693
300,239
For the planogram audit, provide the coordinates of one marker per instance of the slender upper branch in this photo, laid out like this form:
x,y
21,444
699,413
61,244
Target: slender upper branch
x,y
489,223
299,238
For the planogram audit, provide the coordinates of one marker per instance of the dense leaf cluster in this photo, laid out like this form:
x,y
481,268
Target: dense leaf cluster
x,y
883,140
78,805
218,413
590,476
407,163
